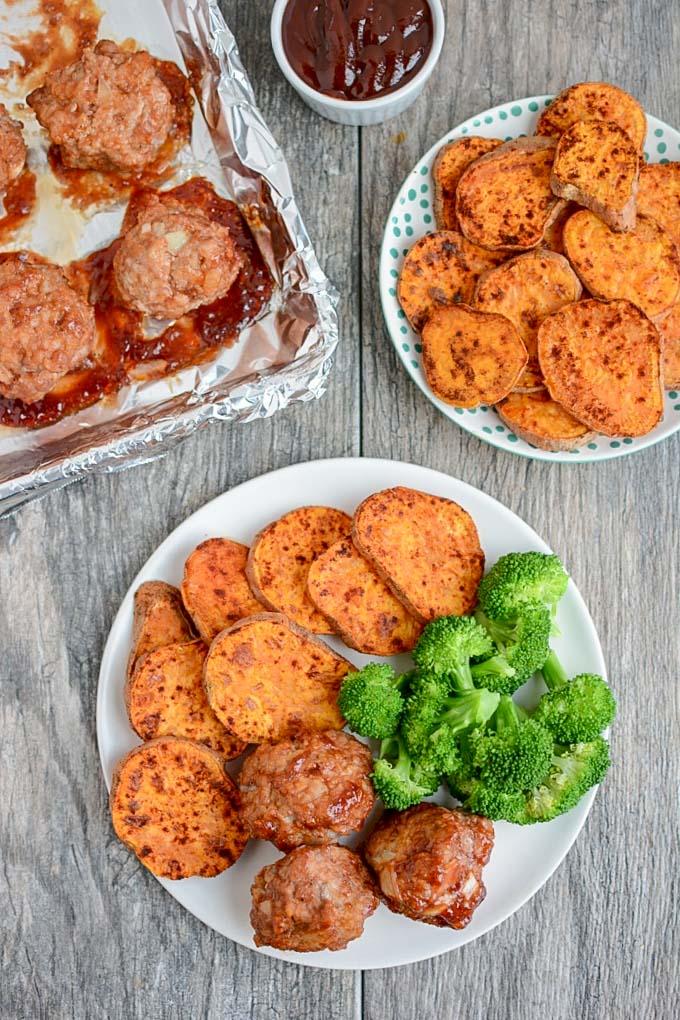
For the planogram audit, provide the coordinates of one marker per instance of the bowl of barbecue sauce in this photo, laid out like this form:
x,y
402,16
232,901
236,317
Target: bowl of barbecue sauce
x,y
357,61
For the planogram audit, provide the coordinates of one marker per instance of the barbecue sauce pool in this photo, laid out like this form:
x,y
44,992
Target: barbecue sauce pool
x,y
357,49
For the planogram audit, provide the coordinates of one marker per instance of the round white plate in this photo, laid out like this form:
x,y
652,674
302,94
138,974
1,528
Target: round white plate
x,y
522,859
412,216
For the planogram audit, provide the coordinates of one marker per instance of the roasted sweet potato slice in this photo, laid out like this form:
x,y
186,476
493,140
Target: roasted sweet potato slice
x,y
504,199
452,159
471,357
267,679
537,419
363,610
642,266
659,196
602,362
165,698
597,165
440,269
281,555
594,100
525,290
158,619
668,326
215,590
554,239
175,807
426,549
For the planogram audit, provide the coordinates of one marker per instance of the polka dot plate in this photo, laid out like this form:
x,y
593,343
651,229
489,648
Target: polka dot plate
x,y
412,216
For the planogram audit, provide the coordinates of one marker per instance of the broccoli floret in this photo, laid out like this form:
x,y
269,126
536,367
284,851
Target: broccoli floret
x,y
523,642
574,770
446,647
518,578
517,755
433,716
371,700
575,711
482,800
398,780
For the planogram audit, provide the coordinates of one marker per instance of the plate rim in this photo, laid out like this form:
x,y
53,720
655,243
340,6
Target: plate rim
x,y
331,960
547,456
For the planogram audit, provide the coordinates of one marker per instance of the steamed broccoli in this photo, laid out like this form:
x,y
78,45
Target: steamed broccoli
x,y
371,700
480,799
433,720
447,646
398,779
574,770
521,578
516,755
523,642
575,711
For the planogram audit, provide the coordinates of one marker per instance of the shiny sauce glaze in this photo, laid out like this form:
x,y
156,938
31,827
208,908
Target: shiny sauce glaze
x,y
357,49
123,352
18,202
94,187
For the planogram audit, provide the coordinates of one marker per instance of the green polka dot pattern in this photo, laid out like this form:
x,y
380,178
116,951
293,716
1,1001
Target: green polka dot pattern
x,y
412,216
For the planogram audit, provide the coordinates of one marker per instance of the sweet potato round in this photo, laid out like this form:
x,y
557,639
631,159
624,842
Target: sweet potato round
x,y
602,362
452,159
594,100
539,420
525,290
471,357
267,679
642,266
215,590
504,199
175,807
158,619
659,196
441,269
668,326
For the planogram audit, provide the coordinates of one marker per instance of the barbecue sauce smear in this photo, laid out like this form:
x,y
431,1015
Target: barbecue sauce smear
x,y
123,349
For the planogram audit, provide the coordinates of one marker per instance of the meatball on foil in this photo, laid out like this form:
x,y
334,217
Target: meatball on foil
x,y
12,149
312,789
46,328
174,259
428,861
108,111
314,898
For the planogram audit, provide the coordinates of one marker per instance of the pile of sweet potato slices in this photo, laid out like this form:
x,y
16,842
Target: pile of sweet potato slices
x,y
551,287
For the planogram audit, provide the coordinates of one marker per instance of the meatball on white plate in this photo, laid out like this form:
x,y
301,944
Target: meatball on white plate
x,y
310,790
12,149
314,898
428,861
174,259
109,110
46,328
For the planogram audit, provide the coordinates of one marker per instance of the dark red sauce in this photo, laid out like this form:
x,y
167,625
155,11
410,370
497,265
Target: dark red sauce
x,y
19,202
357,49
122,345
64,29
94,187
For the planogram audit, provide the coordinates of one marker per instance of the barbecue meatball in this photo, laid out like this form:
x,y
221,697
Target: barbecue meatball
x,y
107,111
312,789
46,328
174,259
12,149
429,860
314,898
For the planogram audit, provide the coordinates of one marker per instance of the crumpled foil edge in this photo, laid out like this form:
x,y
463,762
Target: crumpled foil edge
x,y
200,27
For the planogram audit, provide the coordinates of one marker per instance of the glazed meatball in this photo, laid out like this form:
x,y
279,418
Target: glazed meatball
x,y
107,111
12,149
428,861
46,328
312,789
173,260
314,898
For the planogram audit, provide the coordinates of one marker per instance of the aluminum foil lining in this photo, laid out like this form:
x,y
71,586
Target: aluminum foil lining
x,y
284,356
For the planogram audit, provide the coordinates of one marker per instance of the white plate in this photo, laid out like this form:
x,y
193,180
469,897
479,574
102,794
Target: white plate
x,y
412,216
523,858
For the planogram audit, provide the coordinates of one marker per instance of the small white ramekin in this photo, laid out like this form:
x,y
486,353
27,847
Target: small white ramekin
x,y
363,111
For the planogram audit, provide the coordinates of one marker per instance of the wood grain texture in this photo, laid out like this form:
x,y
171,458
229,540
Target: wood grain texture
x,y
84,931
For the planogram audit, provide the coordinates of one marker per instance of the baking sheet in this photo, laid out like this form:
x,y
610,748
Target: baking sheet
x,y
284,356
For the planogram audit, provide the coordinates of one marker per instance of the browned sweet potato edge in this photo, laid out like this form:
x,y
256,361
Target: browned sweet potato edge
x,y
138,615
553,445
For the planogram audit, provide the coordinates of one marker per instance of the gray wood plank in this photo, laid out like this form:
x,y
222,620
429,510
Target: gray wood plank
x,y
599,940
86,932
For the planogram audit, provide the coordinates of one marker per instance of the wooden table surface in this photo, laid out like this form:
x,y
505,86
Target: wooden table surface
x,y
86,932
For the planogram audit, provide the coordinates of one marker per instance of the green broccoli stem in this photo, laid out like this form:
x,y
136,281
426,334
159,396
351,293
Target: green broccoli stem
x,y
464,710
554,673
394,749
506,717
